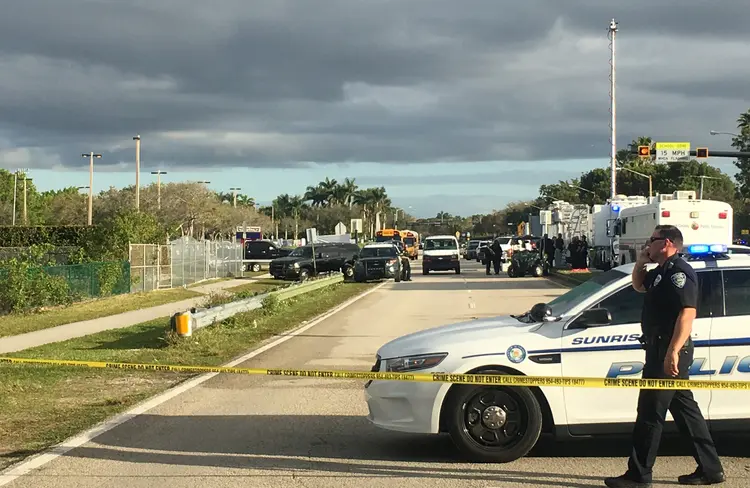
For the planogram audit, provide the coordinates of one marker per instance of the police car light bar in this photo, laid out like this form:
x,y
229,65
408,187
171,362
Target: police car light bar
x,y
696,249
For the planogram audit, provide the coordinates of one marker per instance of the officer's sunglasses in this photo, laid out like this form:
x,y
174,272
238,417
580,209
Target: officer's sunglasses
x,y
654,239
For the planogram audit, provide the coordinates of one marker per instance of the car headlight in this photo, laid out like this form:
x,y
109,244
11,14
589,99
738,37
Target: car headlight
x,y
413,363
391,262
295,265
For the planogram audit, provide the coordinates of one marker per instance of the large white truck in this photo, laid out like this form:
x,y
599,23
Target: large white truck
x,y
701,222
604,251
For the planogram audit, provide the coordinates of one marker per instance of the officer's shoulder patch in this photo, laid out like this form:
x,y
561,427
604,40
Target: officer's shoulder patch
x,y
679,279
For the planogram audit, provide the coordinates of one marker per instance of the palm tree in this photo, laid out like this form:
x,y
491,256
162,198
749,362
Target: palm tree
x,y
328,186
348,190
296,205
316,195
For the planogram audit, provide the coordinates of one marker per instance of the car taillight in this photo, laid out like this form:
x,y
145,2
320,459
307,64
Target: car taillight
x,y
665,213
722,215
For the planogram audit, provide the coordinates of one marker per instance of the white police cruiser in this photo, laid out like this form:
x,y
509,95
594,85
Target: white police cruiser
x,y
590,331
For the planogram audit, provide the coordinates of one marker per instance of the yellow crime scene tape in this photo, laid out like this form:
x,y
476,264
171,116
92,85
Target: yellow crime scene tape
x,y
468,379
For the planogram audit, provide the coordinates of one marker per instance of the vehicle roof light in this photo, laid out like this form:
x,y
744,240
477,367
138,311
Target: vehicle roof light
x,y
696,249
615,207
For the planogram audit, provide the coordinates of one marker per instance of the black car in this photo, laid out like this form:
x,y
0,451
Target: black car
x,y
261,252
378,261
301,263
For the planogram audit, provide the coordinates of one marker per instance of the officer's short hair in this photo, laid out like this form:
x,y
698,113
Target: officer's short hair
x,y
670,232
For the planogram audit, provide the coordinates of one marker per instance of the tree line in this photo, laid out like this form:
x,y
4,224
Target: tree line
x,y
192,209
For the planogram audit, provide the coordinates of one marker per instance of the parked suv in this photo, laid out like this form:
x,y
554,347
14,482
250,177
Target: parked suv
x,y
302,263
261,252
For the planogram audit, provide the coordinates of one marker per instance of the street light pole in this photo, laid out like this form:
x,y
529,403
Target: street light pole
x,y
234,196
613,109
716,132
158,186
703,178
650,182
137,140
91,157
25,214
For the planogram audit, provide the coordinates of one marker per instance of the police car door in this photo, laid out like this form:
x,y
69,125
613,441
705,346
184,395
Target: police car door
x,y
730,349
613,351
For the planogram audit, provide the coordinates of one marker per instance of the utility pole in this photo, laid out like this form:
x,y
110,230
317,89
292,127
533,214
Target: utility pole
x,y
158,174
25,214
234,196
613,109
15,185
91,157
137,140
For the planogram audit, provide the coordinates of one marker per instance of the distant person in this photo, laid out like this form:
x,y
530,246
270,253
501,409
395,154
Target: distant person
x,y
497,255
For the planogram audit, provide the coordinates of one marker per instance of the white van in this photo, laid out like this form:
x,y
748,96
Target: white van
x,y
440,253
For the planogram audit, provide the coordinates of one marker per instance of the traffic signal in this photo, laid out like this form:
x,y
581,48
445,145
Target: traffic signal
x,y
644,151
701,152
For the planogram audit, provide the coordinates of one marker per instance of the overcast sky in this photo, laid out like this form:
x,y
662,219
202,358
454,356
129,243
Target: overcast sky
x,y
506,94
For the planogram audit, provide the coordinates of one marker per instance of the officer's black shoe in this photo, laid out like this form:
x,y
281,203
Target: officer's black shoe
x,y
701,478
625,481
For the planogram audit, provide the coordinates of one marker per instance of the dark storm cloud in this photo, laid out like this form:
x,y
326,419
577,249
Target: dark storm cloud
x,y
512,177
278,83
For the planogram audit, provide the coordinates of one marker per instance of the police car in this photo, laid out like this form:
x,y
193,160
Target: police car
x,y
592,330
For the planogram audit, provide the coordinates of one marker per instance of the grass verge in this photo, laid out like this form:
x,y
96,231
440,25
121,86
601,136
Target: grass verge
x,y
572,277
43,405
257,286
15,324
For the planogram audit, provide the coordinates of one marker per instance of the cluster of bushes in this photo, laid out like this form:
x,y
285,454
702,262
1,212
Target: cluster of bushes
x,y
97,265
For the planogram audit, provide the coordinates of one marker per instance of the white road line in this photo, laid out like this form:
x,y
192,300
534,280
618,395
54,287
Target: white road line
x,y
53,453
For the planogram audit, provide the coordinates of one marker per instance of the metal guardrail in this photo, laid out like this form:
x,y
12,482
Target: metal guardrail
x,y
205,317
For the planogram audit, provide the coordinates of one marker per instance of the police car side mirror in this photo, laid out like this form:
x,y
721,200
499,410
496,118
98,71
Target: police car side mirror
x,y
595,317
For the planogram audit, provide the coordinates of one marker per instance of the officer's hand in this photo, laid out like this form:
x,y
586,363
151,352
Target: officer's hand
x,y
643,256
671,364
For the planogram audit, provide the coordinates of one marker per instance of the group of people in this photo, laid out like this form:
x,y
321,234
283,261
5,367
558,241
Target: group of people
x,y
554,251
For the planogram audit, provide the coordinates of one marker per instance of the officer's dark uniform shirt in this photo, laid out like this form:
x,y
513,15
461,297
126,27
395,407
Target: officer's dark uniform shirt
x,y
670,288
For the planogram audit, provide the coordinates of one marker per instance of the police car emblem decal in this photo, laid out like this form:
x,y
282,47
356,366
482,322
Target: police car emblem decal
x,y
657,280
516,354
678,279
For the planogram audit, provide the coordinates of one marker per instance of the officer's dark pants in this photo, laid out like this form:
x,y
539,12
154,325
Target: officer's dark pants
x,y
496,264
652,411
488,263
405,269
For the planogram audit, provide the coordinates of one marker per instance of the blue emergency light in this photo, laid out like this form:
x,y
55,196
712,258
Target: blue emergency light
x,y
696,249
615,208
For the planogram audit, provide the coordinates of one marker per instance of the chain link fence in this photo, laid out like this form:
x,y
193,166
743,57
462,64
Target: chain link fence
x,y
150,267
182,262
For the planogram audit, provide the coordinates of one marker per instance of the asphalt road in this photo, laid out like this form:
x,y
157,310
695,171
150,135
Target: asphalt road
x,y
236,431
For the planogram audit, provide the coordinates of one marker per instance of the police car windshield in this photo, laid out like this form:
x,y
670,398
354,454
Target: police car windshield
x,y
565,302
379,252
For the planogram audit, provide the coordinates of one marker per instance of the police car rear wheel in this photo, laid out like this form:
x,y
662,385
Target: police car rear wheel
x,y
494,424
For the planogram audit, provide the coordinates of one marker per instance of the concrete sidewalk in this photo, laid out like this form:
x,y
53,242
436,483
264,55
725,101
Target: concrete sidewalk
x,y
117,321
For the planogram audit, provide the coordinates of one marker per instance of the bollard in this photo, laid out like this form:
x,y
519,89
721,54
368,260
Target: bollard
x,y
182,324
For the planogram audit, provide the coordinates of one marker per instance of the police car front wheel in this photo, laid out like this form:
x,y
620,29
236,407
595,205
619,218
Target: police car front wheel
x,y
493,423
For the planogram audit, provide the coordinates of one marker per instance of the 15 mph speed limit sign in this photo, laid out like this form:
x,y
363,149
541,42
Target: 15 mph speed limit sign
x,y
672,151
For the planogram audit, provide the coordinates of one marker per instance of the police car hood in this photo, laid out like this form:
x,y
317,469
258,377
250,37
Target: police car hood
x,y
451,337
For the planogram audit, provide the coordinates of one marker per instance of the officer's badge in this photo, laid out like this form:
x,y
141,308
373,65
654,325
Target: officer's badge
x,y
657,280
679,279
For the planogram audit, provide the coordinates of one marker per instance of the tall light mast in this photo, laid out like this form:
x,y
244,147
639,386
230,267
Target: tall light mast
x,y
612,31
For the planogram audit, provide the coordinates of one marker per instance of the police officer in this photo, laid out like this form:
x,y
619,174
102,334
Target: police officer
x,y
668,312
405,266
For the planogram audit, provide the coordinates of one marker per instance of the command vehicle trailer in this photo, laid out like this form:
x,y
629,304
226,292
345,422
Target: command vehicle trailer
x,y
699,220
603,253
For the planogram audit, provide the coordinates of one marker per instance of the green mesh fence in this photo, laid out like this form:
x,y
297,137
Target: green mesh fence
x,y
89,280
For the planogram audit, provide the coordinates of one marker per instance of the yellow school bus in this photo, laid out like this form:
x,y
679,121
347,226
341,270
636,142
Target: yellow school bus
x,y
385,235
411,242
